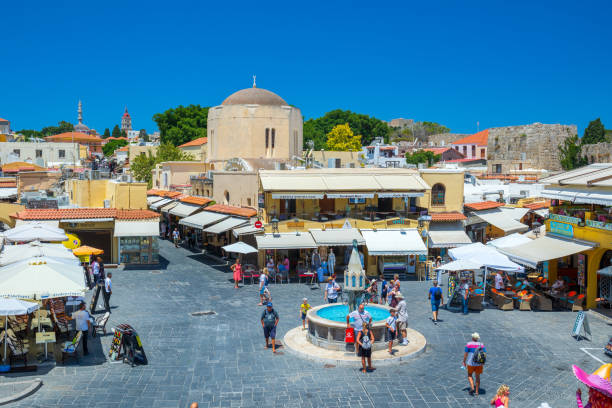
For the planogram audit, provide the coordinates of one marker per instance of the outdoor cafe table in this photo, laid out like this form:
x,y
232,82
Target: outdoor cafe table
x,y
45,338
40,321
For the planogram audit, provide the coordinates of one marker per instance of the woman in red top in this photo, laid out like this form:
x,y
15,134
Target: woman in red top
x,y
237,269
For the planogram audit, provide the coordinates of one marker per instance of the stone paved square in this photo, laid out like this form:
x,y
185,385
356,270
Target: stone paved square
x,y
220,361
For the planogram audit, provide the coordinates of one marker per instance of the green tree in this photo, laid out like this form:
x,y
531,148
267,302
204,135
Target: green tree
x,y
109,148
364,125
182,124
106,133
422,156
341,138
116,131
594,133
62,127
29,133
570,154
144,164
142,135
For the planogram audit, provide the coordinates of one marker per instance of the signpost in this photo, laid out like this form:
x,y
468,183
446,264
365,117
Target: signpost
x,y
581,324
258,224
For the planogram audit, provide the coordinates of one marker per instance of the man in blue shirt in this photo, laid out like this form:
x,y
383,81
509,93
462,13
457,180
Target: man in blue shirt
x,y
436,298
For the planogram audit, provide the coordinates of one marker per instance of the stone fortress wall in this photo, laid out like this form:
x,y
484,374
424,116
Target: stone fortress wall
x,y
526,146
444,139
598,152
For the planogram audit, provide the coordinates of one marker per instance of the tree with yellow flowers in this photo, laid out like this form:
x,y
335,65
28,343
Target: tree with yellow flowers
x,y
341,138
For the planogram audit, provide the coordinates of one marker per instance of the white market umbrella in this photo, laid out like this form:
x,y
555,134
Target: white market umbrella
x,y
41,278
35,232
14,307
239,248
17,253
460,265
486,256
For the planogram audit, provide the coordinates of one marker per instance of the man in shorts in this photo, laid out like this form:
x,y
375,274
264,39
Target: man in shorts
x,y
359,316
269,321
473,368
402,319
436,298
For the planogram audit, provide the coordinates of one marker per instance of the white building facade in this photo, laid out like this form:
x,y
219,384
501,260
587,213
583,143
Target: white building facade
x,y
42,154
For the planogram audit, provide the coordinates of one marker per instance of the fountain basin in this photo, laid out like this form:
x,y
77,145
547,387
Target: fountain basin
x,y
327,326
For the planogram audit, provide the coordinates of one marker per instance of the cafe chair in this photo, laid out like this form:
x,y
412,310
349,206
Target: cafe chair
x,y
504,302
100,324
525,302
577,303
541,302
19,348
71,348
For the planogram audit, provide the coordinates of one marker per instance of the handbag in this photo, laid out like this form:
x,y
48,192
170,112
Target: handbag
x,y
349,335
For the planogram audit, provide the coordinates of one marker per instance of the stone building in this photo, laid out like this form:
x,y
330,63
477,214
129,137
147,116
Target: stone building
x,y
126,122
444,139
526,146
254,123
598,152
5,127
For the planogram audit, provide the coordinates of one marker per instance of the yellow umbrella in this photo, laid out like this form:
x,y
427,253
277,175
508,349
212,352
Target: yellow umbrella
x,y
87,250
72,242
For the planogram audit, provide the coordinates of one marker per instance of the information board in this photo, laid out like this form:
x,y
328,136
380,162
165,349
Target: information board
x,y
580,324
115,348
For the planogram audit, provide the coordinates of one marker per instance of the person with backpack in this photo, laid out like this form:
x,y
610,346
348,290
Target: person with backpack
x,y
365,339
391,332
474,357
436,298
269,321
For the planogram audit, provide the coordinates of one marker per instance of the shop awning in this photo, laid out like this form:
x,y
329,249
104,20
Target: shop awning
x,y
543,249
167,207
394,242
297,196
183,210
202,219
447,235
557,194
337,237
136,228
8,192
52,223
226,225
159,203
85,220
246,230
516,213
511,240
542,212
286,183
501,220
289,240
600,198
153,199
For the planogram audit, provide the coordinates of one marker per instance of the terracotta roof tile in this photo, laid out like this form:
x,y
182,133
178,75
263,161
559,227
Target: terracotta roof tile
x,y
164,193
136,214
196,200
538,205
480,139
76,136
449,216
20,166
196,142
483,205
437,150
83,213
8,184
229,209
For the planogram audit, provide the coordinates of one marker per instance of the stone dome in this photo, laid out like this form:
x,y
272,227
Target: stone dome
x,y
254,96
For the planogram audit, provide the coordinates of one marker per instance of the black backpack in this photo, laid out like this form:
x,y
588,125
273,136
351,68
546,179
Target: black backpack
x,y
480,356
438,294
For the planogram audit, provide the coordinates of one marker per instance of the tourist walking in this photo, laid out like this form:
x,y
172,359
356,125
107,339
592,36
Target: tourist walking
x,y
304,308
436,298
83,324
402,319
331,291
176,237
474,358
365,339
391,331
269,321
331,262
108,291
263,287
237,270
502,397
95,270
465,295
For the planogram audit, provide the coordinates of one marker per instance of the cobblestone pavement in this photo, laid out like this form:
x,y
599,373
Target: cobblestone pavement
x,y
220,360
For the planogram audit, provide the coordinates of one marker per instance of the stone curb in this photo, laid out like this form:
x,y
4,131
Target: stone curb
x,y
34,386
598,315
355,363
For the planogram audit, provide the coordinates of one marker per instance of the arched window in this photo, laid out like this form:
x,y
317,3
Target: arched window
x,y
354,279
360,281
437,194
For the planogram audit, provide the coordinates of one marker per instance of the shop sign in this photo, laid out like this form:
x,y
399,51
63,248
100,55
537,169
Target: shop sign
x,y
298,196
399,195
422,258
599,224
560,228
261,200
545,269
398,222
351,195
581,269
565,218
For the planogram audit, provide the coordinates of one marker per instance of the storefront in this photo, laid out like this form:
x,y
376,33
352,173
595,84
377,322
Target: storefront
x,y
394,251
340,241
445,235
296,246
219,234
137,241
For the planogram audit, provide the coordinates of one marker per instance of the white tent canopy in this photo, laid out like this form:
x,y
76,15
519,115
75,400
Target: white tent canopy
x,y
544,249
486,256
35,232
502,220
40,278
239,248
16,307
460,265
287,240
337,237
202,219
17,253
509,241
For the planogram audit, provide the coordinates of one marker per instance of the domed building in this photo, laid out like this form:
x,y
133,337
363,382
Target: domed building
x,y
254,123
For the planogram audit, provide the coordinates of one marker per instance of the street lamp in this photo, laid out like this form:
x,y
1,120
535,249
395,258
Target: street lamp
x,y
536,228
274,222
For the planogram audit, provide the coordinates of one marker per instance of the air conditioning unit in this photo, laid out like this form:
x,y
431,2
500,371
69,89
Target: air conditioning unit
x,y
106,203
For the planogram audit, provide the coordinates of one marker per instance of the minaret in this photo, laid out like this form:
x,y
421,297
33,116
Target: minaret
x,y
80,113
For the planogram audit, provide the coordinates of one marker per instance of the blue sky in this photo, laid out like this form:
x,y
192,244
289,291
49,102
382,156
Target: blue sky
x,y
456,62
